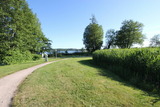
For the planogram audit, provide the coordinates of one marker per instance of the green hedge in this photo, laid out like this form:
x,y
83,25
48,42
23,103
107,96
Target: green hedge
x,y
141,65
16,56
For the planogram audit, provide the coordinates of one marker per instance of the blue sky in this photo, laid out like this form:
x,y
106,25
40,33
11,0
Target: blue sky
x,y
64,21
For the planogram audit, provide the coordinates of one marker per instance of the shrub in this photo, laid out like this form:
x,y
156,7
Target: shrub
x,y
36,57
16,56
142,64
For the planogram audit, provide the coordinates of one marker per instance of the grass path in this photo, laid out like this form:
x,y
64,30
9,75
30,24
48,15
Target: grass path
x,y
9,84
9,69
78,83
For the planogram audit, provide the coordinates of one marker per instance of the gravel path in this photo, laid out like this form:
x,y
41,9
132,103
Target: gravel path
x,y
9,84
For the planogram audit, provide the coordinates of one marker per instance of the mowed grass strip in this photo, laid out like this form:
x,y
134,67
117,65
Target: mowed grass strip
x,y
9,69
76,83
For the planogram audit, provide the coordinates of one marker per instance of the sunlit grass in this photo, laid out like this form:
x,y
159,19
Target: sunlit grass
x,y
78,83
8,69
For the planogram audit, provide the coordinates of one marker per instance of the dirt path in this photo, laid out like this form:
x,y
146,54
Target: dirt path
x,y
9,84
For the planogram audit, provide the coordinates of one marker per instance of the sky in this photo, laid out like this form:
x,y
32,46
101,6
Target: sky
x,y
64,21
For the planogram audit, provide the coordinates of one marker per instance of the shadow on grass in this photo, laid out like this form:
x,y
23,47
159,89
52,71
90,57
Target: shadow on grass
x,y
102,71
107,73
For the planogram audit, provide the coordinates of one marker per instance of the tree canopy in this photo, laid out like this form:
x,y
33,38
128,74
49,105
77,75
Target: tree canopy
x,y
130,33
110,38
93,36
155,41
20,29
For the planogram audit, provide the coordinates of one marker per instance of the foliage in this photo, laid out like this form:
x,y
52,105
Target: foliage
x,y
110,37
46,46
140,64
130,33
93,20
16,56
155,41
19,29
36,57
93,36
83,50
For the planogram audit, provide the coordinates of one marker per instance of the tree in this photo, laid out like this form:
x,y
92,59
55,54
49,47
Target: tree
x,y
93,20
19,29
66,51
130,33
82,49
155,41
110,38
6,33
93,36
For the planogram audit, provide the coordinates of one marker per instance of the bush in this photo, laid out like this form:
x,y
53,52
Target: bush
x,y
142,64
36,57
16,56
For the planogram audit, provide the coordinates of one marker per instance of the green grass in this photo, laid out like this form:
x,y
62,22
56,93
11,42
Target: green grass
x,y
8,69
76,82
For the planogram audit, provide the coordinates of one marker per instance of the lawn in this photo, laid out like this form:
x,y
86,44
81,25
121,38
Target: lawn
x,y
76,82
8,69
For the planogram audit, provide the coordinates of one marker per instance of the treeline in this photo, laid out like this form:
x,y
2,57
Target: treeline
x,y
129,34
20,32
141,66
68,52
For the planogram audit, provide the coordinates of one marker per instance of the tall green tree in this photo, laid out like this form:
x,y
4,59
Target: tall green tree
x,y
110,38
155,41
20,29
93,36
129,34
6,30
